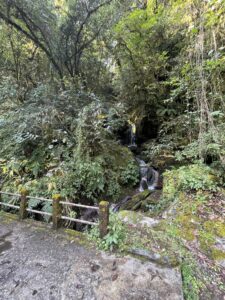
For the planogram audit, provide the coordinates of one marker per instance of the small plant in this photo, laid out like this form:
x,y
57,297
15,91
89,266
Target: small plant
x,y
115,237
191,284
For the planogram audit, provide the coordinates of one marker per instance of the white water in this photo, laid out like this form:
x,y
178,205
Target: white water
x,y
149,177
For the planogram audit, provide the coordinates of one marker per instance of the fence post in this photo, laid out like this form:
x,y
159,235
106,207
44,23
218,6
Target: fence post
x,y
23,204
57,211
103,218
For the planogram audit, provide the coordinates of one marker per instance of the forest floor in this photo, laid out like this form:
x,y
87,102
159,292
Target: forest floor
x,y
39,263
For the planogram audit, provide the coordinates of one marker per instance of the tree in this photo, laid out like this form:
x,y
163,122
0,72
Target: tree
x,y
62,32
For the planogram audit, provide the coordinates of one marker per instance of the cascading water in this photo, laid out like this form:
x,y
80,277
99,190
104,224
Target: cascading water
x,y
149,176
133,129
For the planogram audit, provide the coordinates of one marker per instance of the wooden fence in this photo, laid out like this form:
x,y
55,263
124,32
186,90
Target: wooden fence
x,y
57,210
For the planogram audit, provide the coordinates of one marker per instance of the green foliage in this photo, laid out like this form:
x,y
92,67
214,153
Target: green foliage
x,y
90,132
187,178
84,179
214,148
191,285
130,176
115,237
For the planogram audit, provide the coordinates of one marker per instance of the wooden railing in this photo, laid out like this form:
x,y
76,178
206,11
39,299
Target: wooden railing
x,y
57,210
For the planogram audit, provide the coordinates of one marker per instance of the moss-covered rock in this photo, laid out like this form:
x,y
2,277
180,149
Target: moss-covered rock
x,y
151,201
137,218
136,201
164,160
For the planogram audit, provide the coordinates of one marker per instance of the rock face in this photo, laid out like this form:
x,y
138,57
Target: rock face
x,y
139,281
39,263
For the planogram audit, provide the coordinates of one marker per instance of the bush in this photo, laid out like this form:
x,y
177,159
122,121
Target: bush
x,y
130,175
187,178
115,237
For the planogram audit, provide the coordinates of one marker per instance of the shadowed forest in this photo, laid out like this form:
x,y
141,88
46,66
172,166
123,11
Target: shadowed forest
x,y
122,100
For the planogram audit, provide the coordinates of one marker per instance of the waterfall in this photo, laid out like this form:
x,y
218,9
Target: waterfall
x,y
133,130
149,176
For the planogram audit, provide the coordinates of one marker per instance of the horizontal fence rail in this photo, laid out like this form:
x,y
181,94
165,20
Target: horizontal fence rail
x,y
9,205
38,212
39,198
78,205
78,220
10,194
57,210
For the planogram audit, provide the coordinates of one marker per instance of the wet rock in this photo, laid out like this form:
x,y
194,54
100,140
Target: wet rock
x,y
135,202
151,200
164,160
123,202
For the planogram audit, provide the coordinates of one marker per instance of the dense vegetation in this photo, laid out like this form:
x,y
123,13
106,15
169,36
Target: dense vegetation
x,y
75,74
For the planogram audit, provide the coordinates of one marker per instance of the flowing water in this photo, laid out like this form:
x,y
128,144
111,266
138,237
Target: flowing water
x,y
149,176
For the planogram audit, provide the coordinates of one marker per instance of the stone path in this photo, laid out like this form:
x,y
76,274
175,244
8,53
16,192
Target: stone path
x,y
38,263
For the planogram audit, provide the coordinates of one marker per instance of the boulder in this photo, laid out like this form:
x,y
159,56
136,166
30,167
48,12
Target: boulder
x,y
141,200
151,200
135,202
137,219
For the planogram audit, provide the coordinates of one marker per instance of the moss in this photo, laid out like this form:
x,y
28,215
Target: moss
x,y
77,236
130,216
169,186
23,191
104,203
215,227
136,201
186,225
56,197
187,234
7,217
217,254
207,240
152,200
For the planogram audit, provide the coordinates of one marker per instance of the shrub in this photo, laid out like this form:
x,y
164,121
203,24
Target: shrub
x,y
115,237
130,175
187,178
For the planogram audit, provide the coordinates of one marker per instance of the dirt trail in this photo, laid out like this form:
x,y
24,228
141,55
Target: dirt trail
x,y
38,263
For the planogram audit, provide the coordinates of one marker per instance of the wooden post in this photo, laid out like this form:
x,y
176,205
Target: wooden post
x,y
1,206
103,218
23,204
57,211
